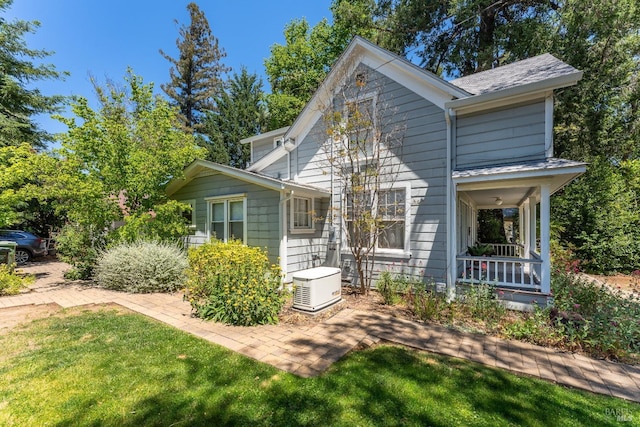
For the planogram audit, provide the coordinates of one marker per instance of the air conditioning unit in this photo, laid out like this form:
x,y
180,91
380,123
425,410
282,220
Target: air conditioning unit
x,y
316,288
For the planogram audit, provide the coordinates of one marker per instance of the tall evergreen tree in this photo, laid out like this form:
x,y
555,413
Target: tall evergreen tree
x,y
241,113
19,103
196,75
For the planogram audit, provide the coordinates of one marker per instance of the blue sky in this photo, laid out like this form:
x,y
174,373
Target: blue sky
x,y
103,38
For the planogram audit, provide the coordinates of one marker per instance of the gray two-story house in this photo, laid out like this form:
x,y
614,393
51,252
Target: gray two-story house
x,y
484,141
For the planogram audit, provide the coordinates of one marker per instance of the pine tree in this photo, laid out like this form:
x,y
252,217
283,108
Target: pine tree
x,y
18,103
241,113
196,75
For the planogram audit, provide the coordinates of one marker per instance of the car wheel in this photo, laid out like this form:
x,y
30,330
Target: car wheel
x,y
22,256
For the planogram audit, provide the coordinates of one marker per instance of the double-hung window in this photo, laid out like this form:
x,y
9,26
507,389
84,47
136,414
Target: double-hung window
x,y
302,214
227,218
361,125
390,209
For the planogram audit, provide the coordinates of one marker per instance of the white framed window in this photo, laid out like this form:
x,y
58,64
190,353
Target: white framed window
x,y
393,207
360,121
190,215
301,215
277,142
227,218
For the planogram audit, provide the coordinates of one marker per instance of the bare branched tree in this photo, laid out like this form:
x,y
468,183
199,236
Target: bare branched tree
x,y
361,152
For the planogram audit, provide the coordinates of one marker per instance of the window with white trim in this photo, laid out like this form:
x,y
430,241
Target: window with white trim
x,y
302,214
227,218
360,124
392,208
277,142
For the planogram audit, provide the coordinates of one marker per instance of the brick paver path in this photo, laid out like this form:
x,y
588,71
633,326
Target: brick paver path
x,y
309,350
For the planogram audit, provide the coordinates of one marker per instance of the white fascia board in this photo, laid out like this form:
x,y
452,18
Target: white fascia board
x,y
513,95
425,84
265,136
271,183
267,160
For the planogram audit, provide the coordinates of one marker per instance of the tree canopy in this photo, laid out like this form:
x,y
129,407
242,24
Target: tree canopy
x,y
240,114
20,102
196,75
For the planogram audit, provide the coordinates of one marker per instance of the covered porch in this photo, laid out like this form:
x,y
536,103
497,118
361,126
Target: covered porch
x,y
524,263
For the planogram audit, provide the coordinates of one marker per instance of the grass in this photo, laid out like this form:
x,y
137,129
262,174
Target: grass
x,y
109,368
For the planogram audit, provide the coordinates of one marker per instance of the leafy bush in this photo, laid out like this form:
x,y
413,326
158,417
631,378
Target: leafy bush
x,y
234,284
610,328
392,288
534,327
164,224
428,304
142,267
79,246
10,282
482,302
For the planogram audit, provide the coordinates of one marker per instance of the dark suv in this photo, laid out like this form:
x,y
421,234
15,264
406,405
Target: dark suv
x,y
29,245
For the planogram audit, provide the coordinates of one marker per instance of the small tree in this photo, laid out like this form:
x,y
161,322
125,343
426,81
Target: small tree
x,y
361,151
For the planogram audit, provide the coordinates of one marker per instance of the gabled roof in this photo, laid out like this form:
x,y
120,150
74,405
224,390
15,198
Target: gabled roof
x,y
199,166
527,71
528,79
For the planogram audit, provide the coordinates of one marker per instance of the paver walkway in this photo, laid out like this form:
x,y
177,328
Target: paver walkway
x,y
309,350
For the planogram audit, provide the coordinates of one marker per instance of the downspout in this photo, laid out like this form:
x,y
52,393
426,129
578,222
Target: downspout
x,y
451,207
282,230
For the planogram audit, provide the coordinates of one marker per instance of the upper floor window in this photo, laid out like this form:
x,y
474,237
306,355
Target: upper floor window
x,y
361,126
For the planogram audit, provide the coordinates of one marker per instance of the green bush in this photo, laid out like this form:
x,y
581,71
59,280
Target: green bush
x,y
428,304
610,328
10,282
234,284
482,302
79,245
391,288
164,224
142,267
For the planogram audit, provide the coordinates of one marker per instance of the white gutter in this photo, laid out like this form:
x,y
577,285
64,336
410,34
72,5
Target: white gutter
x,y
282,231
449,116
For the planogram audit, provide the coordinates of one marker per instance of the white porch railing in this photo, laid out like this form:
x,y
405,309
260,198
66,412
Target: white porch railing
x,y
507,250
501,271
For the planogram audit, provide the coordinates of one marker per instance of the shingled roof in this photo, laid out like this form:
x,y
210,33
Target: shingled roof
x,y
531,70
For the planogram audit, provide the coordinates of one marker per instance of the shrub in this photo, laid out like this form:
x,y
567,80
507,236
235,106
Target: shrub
x,y
79,246
392,288
234,284
428,304
164,224
142,267
482,302
610,328
10,282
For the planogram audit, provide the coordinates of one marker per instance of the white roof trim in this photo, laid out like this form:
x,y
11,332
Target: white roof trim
x,y
268,159
265,136
197,166
399,69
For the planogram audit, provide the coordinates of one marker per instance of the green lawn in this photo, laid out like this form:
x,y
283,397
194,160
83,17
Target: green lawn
x,y
105,368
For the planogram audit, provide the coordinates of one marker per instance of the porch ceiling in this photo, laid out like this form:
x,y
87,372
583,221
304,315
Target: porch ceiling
x,y
510,197
515,182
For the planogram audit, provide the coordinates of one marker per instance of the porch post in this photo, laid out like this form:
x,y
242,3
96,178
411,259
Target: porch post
x,y
527,229
532,225
521,235
545,248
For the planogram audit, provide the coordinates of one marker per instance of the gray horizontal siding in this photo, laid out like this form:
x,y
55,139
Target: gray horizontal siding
x,y
278,169
503,136
420,160
262,208
260,149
